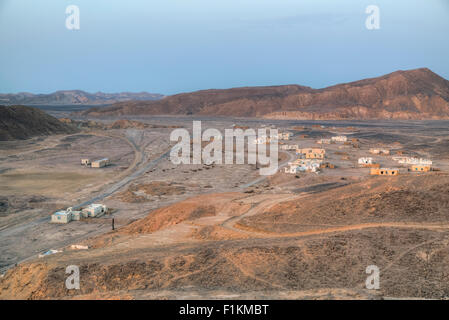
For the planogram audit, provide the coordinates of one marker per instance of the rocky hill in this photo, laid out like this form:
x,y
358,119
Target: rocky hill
x,y
20,122
73,97
412,94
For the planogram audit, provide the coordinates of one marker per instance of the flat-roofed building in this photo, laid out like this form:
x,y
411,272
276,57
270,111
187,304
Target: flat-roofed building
x,y
95,210
365,161
284,135
324,141
339,138
289,147
384,172
421,168
100,163
61,216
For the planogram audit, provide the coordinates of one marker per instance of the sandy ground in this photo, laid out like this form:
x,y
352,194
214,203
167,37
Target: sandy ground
x,y
187,210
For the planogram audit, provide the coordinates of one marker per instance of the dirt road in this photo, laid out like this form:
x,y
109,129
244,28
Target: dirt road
x,y
139,159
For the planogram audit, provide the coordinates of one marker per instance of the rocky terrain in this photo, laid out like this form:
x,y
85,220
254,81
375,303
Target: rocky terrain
x,y
72,97
412,94
20,122
220,231
277,246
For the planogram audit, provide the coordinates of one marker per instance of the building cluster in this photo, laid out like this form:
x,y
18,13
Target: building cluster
x,y
96,163
311,159
91,211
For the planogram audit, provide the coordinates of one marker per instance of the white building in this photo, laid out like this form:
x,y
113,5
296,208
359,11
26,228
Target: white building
x,y
76,215
85,162
339,139
95,210
303,165
365,160
284,135
65,216
289,147
413,161
62,216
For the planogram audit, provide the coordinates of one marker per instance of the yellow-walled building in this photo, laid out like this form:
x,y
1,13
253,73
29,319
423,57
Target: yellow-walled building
x,y
384,172
420,168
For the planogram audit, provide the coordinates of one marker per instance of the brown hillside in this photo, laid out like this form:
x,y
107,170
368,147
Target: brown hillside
x,y
20,122
412,94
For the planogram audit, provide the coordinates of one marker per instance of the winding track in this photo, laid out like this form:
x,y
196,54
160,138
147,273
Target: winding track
x,y
138,160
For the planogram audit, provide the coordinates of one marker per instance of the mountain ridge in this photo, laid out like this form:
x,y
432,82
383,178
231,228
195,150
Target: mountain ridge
x,y
73,97
403,94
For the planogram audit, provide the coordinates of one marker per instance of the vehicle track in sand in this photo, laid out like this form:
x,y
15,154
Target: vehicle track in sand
x,y
124,178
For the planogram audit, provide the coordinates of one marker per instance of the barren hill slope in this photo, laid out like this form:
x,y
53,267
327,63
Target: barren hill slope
x,y
412,94
20,122
291,253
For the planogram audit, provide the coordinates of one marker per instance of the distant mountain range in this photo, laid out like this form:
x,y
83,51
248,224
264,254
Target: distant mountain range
x,y
20,122
73,97
412,94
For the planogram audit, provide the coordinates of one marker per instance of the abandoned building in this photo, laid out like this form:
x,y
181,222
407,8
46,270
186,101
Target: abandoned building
x,y
284,135
413,161
339,139
65,216
100,163
289,147
324,141
85,162
381,151
95,210
365,160
303,165
384,172
420,168
61,217
327,165
311,153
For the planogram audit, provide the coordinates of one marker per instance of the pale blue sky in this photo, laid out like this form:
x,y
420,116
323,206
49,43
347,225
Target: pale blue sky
x,y
171,46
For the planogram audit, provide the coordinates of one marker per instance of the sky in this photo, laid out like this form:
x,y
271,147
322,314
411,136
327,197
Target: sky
x,y
173,46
